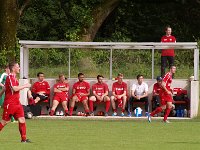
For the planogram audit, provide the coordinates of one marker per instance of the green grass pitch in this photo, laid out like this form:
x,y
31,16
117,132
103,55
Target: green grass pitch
x,y
104,135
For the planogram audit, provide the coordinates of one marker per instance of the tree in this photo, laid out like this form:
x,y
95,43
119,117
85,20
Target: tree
x,y
10,12
99,14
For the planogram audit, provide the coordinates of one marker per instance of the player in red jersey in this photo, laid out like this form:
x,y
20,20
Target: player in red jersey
x,y
12,106
119,94
156,92
167,54
61,93
100,94
80,91
165,96
40,90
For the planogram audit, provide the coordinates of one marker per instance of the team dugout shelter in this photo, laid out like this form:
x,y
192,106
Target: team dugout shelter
x,y
192,86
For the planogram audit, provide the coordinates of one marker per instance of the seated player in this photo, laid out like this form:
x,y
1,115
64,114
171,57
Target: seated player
x,y
155,93
40,90
119,94
80,91
139,92
61,92
100,94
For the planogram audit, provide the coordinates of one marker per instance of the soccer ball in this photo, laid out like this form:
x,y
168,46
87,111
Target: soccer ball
x,y
29,115
138,112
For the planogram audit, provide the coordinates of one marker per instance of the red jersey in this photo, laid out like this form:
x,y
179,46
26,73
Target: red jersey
x,y
11,97
81,87
119,88
168,52
100,89
41,86
168,80
62,85
156,88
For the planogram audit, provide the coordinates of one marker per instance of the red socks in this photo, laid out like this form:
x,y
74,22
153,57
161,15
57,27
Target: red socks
x,y
52,112
156,111
107,105
1,126
86,110
167,112
22,130
91,106
71,110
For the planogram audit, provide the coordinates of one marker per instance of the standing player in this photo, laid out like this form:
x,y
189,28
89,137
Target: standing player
x,y
12,106
167,54
100,92
119,94
61,92
80,91
165,96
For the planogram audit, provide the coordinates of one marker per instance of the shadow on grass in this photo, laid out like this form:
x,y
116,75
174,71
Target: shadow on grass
x,y
188,142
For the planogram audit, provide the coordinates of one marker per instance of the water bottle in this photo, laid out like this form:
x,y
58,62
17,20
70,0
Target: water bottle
x,y
136,112
185,112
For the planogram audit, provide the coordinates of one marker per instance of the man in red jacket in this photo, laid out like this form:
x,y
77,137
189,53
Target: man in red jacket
x,y
40,90
167,54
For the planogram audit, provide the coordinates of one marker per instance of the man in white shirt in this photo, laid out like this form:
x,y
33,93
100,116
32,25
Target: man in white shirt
x,y
139,92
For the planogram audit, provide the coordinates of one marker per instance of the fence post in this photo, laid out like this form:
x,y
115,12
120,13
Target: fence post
x,y
152,64
196,64
69,64
111,50
21,62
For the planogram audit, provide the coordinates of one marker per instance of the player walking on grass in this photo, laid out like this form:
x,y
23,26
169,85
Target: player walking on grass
x,y
80,91
165,96
100,94
12,106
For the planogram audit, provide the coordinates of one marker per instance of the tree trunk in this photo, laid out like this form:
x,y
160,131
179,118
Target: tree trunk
x,y
9,17
100,13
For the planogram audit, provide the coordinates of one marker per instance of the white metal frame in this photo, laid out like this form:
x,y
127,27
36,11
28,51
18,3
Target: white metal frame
x,y
25,45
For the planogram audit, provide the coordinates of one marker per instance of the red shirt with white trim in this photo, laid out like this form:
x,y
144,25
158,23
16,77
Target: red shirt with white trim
x,y
168,80
99,88
81,87
156,88
168,39
41,86
119,88
11,97
62,85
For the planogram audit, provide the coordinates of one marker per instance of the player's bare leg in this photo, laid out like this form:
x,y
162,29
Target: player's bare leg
x,y
64,105
113,100
55,104
85,105
30,98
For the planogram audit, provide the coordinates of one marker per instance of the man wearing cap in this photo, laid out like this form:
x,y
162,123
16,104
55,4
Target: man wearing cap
x,y
165,96
155,93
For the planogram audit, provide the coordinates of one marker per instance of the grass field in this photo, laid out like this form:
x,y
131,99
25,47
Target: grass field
x,y
104,135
